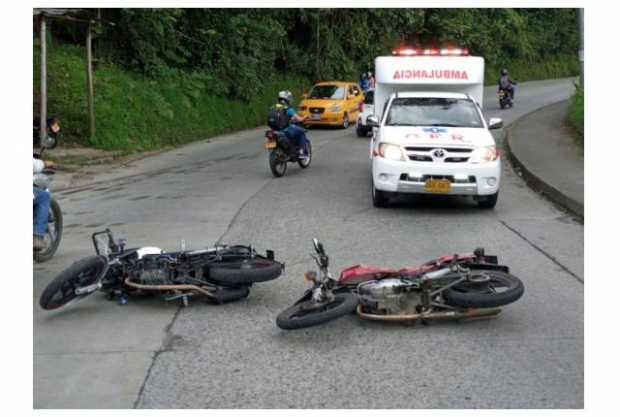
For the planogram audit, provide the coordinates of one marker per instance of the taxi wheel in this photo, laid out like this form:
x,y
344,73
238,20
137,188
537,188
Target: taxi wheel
x,y
345,121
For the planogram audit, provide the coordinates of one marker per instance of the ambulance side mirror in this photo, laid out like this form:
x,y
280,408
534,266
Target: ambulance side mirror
x,y
495,123
304,96
372,121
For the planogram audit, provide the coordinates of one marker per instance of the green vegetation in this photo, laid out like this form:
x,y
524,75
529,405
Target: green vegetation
x,y
575,113
168,76
135,114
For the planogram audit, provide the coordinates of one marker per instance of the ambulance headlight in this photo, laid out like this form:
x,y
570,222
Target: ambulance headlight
x,y
391,152
484,154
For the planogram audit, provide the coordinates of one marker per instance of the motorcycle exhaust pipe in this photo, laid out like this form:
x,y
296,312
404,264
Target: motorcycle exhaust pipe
x,y
445,315
170,287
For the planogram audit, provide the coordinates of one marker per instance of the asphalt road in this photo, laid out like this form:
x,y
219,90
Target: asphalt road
x,y
149,354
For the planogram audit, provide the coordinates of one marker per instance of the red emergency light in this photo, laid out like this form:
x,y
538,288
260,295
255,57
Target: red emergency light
x,y
431,52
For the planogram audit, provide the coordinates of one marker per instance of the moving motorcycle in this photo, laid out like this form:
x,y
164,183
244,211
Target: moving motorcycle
x,y
504,99
282,151
42,180
220,274
449,287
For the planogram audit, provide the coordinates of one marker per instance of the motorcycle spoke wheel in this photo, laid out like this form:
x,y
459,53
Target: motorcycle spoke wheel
x,y
308,313
53,235
277,164
305,163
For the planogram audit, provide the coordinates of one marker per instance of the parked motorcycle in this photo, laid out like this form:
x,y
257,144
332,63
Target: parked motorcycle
x,y
220,274
42,180
449,287
504,99
282,152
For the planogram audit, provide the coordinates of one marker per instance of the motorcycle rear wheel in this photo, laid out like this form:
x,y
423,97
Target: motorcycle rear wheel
x,y
305,314
501,289
277,164
82,273
244,272
54,233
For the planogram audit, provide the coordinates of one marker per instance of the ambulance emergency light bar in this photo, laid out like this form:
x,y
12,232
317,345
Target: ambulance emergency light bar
x,y
427,52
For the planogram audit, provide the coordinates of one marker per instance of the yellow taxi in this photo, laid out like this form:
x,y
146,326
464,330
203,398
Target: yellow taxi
x,y
335,103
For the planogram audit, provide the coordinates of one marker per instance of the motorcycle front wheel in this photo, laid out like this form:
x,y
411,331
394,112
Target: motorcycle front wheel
x,y
82,273
277,163
307,313
305,163
54,233
497,288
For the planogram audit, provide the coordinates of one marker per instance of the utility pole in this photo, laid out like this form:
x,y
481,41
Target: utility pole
x,y
89,80
318,58
581,45
43,108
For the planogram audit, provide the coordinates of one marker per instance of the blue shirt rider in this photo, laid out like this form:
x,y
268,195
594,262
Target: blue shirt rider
x,y
293,131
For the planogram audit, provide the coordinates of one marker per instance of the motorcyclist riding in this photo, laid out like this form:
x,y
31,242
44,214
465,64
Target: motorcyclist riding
x,y
292,131
41,197
41,206
506,84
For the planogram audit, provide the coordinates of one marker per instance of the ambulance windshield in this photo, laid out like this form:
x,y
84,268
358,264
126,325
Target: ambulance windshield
x,y
423,111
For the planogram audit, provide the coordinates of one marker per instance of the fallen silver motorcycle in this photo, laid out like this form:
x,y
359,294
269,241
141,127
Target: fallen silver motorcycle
x,y
219,274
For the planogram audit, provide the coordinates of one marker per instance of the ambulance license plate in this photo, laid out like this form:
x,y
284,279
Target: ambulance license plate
x,y
438,186
315,116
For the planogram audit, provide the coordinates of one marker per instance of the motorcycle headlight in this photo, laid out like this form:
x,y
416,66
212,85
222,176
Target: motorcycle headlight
x,y
391,152
335,108
484,154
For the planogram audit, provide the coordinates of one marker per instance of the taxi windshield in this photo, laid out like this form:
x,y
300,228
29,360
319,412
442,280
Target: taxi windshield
x,y
425,111
327,92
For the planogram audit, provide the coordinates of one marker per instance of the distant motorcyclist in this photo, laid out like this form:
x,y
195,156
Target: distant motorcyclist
x,y
506,84
292,131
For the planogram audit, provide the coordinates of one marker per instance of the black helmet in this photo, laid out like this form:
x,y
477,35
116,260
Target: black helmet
x,y
504,71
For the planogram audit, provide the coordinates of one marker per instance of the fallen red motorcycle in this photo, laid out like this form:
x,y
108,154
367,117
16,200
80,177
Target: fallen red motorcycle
x,y
450,287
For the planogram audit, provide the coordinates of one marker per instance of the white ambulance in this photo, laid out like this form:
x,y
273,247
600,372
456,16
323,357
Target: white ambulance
x,y
429,134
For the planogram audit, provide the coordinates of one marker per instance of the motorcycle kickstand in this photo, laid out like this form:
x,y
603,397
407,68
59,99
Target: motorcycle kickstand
x,y
183,296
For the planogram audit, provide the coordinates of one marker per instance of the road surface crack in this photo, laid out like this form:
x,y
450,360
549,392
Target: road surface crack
x,y
542,251
165,347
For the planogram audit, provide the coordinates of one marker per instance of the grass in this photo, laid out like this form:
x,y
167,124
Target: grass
x,y
575,114
135,114
559,66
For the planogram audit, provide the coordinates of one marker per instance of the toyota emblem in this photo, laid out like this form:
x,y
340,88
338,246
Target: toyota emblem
x,y
439,153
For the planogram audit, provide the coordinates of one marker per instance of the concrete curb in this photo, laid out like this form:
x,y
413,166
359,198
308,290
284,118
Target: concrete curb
x,y
535,182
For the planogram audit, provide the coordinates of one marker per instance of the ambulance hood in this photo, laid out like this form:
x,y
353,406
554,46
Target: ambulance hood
x,y
437,136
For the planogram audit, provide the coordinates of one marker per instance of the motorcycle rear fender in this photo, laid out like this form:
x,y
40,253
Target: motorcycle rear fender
x,y
489,267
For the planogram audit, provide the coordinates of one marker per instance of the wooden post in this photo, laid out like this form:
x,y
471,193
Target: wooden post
x,y
89,81
318,53
43,107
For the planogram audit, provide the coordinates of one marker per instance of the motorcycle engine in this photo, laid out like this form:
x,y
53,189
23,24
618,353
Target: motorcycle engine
x,y
390,296
152,271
